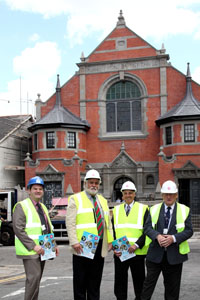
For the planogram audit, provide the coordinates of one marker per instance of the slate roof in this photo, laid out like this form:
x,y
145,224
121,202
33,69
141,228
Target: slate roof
x,y
59,116
187,109
9,124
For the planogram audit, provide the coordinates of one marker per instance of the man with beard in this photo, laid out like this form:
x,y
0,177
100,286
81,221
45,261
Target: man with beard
x,y
88,211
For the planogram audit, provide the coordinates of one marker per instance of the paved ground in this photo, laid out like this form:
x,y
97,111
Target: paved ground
x,y
57,278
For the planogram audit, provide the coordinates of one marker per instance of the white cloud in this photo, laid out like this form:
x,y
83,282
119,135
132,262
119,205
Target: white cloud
x,y
159,18
34,37
38,65
47,8
22,93
40,61
35,70
196,75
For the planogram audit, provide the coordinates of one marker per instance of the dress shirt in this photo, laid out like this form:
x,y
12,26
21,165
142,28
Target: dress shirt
x,y
126,207
171,212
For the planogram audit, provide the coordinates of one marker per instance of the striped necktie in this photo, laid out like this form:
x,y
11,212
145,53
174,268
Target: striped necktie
x,y
98,217
167,216
128,208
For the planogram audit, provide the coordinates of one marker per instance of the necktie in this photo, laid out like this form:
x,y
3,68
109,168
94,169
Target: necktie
x,y
98,217
128,208
42,218
167,216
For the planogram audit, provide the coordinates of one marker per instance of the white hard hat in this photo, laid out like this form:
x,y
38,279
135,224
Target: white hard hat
x,y
128,185
92,174
169,187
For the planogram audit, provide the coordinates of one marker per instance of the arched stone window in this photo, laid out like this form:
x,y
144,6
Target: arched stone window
x,y
123,107
150,179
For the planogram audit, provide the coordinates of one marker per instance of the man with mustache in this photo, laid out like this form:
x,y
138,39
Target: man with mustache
x,y
82,216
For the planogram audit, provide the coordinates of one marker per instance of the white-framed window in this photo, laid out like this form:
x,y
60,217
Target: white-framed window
x,y
189,133
71,139
50,139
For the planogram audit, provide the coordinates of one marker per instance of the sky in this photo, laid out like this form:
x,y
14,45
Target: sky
x,y
42,38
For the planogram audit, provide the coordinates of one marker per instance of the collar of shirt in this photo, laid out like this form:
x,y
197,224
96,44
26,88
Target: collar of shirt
x,y
34,202
90,197
131,204
171,210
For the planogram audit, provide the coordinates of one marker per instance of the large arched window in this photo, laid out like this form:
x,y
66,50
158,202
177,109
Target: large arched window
x,y
123,107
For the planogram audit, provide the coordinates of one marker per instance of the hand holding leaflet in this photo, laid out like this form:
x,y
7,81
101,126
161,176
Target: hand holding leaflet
x,y
47,242
121,246
89,243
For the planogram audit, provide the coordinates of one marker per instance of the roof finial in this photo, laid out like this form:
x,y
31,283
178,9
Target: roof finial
x,y
122,146
58,98
163,50
188,70
121,21
82,58
58,82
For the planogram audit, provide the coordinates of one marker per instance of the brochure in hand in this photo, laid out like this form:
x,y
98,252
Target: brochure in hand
x,y
47,242
122,245
89,243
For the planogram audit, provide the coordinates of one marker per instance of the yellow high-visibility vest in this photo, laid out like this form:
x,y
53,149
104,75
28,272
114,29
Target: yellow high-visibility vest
x,y
85,218
131,225
33,226
182,213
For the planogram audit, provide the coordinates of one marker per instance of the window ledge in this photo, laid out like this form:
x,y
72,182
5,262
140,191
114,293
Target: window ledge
x,y
123,135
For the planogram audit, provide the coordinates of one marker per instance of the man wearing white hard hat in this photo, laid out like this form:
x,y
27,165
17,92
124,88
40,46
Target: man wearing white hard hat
x,y
168,228
88,211
128,219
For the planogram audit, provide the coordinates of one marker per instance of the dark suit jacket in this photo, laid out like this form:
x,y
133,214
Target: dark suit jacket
x,y
155,252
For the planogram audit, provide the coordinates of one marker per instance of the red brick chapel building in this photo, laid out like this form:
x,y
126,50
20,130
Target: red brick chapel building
x,y
128,113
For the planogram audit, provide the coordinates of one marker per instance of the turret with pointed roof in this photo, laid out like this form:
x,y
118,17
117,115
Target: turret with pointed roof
x,y
59,116
187,109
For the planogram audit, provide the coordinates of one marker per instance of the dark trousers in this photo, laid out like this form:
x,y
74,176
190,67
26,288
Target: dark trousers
x,y
87,275
33,269
171,275
137,268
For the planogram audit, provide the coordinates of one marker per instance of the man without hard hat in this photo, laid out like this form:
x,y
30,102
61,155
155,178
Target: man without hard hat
x,y
168,228
31,219
128,219
88,211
